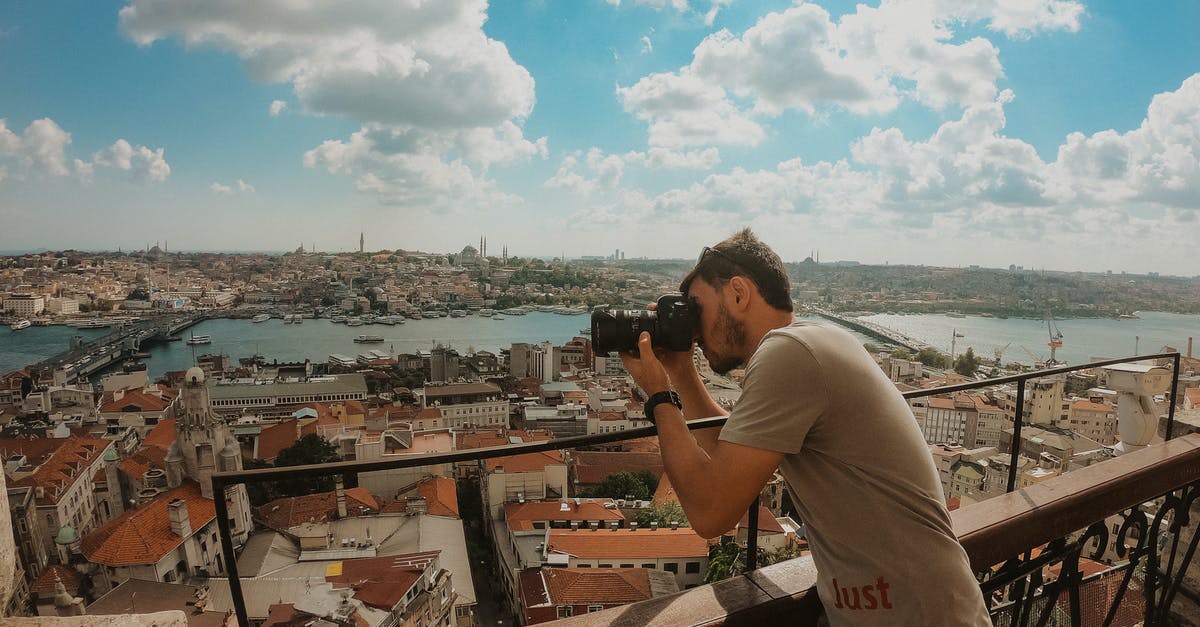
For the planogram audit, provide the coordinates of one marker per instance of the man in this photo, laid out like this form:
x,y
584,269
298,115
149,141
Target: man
x,y
816,406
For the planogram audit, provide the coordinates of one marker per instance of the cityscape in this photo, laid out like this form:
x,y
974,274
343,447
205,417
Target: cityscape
x,y
297,306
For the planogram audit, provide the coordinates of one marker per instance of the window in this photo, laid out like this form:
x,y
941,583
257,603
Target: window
x,y
647,565
671,567
626,565
595,608
565,611
605,565
692,568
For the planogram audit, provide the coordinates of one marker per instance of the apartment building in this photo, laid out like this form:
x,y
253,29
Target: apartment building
x,y
679,551
467,404
24,305
1095,420
548,593
63,474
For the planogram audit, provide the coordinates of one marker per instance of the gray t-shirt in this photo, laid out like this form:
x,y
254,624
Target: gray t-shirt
x,y
862,479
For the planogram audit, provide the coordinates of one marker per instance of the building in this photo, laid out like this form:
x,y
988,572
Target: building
x,y
1044,404
1055,449
548,594
63,474
526,360
280,399
24,305
969,420
1097,421
677,551
467,404
171,534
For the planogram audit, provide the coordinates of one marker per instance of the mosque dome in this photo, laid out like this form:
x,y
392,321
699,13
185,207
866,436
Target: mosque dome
x,y
111,455
194,375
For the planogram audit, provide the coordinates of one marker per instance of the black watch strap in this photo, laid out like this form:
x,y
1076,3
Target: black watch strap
x,y
665,396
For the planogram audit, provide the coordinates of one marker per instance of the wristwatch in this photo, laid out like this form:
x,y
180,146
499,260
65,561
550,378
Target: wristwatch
x,y
665,396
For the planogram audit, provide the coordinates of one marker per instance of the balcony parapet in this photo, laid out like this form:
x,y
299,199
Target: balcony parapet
x,y
992,532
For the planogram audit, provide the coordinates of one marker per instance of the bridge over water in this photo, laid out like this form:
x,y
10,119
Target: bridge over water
x,y
873,330
86,358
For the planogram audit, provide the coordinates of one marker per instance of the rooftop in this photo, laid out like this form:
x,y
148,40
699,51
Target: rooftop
x,y
143,535
627,543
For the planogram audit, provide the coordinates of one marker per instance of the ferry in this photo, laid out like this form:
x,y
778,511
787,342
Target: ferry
x,y
199,339
498,317
337,318
368,339
458,313
354,322
20,324
338,359
261,318
487,313
514,311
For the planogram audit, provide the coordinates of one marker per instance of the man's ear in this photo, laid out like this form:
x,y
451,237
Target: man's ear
x,y
740,290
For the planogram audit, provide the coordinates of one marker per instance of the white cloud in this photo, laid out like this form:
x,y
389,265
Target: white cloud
x,y
417,74
711,15
866,62
606,170
684,110
145,164
647,45
243,186
42,149
277,107
678,5
220,188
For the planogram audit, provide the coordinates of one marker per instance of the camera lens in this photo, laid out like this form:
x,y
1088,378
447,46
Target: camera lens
x,y
619,329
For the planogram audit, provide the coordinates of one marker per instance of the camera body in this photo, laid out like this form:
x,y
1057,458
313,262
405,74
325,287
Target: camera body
x,y
670,325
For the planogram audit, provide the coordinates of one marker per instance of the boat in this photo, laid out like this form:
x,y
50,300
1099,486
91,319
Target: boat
x,y
955,314
354,322
498,317
486,313
586,331
368,339
95,323
337,318
199,339
261,318
20,324
458,313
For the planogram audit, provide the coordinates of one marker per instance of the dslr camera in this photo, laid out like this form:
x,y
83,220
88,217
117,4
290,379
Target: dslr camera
x,y
670,326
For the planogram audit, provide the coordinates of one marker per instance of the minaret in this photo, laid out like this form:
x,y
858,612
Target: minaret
x,y
204,444
361,241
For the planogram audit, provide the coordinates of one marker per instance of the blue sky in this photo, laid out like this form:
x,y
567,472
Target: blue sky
x,y
1045,133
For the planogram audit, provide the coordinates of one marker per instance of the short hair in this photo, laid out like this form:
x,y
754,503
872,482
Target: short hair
x,y
743,254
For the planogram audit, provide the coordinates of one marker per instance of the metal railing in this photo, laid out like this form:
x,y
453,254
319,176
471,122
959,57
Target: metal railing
x,y
225,479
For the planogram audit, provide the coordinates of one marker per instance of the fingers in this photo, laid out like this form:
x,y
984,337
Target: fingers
x,y
645,347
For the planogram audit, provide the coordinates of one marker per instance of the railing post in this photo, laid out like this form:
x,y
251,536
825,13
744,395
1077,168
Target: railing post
x,y
231,571
1015,445
752,537
1171,407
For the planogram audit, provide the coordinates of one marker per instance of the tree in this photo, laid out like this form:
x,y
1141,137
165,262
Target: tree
x,y
932,357
639,485
310,449
967,363
665,514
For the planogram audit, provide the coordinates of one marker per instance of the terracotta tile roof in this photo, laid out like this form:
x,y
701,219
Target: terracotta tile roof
x,y
594,466
275,438
628,543
380,582
664,492
527,462
1084,405
136,465
44,585
938,402
429,413
63,462
143,535
135,401
283,514
162,435
584,586
766,521
521,516
441,496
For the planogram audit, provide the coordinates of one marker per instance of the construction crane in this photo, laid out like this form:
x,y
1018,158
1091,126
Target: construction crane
x,y
999,352
1037,361
1056,337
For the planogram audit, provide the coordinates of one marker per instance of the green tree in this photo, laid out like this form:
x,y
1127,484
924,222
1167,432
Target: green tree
x,y
967,363
932,357
665,514
638,485
310,449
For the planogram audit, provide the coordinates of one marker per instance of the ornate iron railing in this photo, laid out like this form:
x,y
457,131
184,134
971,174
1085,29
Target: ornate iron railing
x,y
1006,585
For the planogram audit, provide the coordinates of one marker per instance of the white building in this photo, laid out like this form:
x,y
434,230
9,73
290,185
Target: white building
x,y
24,304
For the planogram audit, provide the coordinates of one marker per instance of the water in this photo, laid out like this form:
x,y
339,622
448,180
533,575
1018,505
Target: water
x,y
1084,339
314,339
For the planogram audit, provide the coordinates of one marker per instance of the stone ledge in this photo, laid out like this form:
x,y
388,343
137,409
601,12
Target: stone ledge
x,y
169,618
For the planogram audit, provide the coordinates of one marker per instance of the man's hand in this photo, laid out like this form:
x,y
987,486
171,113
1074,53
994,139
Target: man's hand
x,y
645,368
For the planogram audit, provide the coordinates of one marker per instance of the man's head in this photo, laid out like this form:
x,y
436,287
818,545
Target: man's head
x,y
739,290
743,254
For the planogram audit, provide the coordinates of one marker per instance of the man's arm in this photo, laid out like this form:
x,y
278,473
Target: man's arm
x,y
697,402
715,480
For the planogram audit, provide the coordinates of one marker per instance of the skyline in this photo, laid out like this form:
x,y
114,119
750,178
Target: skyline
x,y
1060,135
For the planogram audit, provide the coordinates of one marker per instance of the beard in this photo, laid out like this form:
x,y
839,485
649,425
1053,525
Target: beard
x,y
731,334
